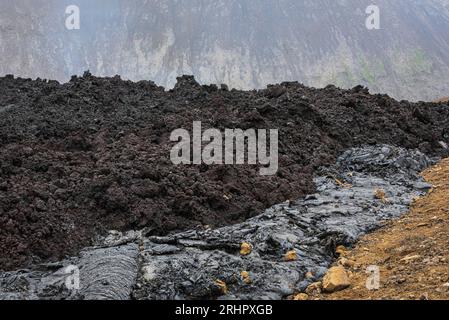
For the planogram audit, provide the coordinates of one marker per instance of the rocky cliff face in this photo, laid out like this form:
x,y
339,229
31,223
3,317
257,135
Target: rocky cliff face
x,y
243,43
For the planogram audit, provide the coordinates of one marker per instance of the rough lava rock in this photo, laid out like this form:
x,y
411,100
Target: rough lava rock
x,y
188,265
91,155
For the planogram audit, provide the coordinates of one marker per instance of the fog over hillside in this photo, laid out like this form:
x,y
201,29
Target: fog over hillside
x,y
243,43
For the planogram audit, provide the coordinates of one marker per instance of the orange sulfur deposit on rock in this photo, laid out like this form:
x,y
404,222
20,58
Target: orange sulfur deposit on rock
x,y
291,256
245,249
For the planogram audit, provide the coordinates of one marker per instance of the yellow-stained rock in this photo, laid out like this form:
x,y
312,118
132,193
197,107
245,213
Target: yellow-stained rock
x,y
341,250
291,256
336,279
301,297
380,194
245,277
245,249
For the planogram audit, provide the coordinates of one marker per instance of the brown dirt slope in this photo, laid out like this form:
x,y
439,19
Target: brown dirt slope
x,y
442,100
412,252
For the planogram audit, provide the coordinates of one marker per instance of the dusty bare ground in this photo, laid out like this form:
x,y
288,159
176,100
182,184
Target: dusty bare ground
x,y
412,253
445,99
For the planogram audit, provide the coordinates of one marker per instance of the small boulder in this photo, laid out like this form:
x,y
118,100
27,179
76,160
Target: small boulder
x,y
291,256
336,279
245,249
245,277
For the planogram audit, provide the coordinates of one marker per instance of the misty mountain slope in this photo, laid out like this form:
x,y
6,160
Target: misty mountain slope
x,y
246,44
